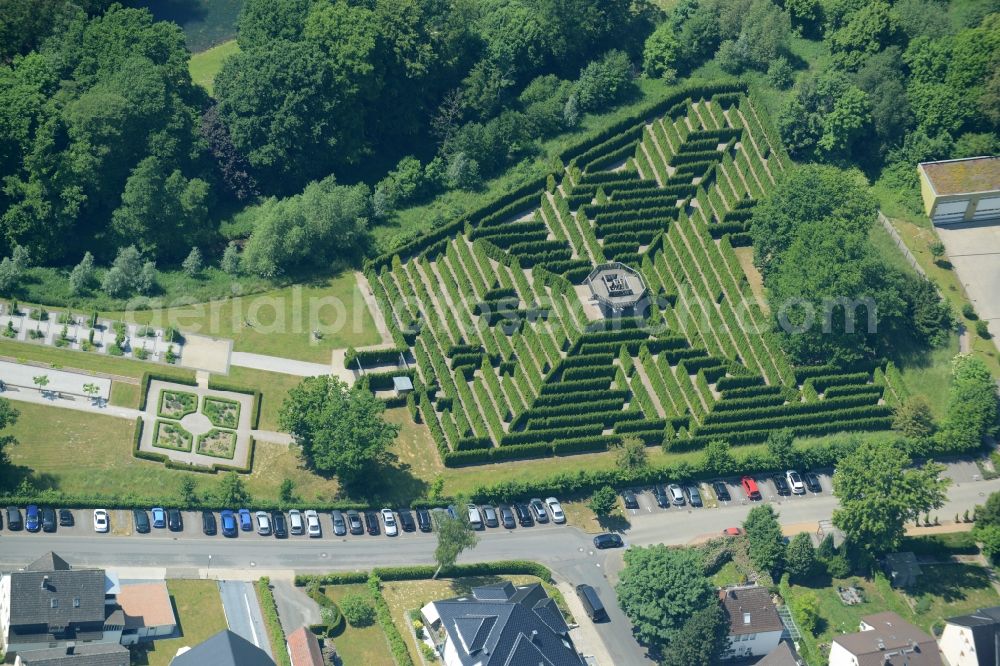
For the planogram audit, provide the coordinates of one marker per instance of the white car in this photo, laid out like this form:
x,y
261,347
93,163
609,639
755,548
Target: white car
x,y
101,521
556,510
263,523
795,482
390,522
312,524
475,518
295,523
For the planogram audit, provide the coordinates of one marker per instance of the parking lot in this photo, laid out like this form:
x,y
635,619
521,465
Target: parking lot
x,y
768,490
122,522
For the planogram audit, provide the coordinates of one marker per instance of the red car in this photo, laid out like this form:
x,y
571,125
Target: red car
x,y
750,487
732,532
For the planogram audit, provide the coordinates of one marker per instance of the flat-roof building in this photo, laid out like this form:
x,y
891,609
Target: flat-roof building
x,y
965,190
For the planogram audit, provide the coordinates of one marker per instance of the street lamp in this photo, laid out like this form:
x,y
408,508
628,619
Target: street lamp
x,y
210,562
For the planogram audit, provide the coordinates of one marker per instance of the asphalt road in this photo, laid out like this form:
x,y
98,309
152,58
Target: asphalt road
x,y
239,601
566,550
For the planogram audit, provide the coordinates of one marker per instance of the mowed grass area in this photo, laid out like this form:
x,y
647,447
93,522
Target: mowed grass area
x,y
199,613
944,590
924,370
69,450
274,388
279,322
359,645
205,65
404,596
205,22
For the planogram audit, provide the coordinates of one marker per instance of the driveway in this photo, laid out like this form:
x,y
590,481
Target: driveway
x,y
295,608
974,251
239,601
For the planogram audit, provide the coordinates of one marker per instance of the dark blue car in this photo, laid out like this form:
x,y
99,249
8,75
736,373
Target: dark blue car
x,y
228,523
32,519
246,520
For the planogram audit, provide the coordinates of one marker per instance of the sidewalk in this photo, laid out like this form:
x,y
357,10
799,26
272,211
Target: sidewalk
x,y
285,366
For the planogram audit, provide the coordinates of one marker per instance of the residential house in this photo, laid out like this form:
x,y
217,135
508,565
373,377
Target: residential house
x,y
90,654
885,639
754,626
783,655
49,604
148,612
973,639
303,648
501,624
222,649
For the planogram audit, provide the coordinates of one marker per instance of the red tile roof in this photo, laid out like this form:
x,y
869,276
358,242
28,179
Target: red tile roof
x,y
304,648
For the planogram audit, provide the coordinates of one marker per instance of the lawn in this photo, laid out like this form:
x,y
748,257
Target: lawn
x,y
944,590
359,645
279,322
198,608
205,22
205,65
404,596
274,387
67,450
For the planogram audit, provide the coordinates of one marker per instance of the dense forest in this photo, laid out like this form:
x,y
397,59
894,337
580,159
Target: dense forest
x,y
106,144
334,113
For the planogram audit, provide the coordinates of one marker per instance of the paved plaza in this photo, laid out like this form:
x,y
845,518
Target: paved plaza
x,y
60,381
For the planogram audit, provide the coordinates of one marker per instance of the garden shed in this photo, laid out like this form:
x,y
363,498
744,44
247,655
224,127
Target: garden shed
x,y
963,190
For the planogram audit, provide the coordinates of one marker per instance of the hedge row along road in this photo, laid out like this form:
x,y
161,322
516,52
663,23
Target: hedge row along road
x,y
565,550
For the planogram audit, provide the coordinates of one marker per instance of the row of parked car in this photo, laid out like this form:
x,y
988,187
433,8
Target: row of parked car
x,y
36,519
275,523
789,483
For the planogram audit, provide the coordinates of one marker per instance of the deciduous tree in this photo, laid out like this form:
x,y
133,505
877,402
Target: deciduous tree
x,y
767,546
454,536
800,556
660,589
341,429
879,493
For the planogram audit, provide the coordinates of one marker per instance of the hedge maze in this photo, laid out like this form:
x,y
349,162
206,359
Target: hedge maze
x,y
511,363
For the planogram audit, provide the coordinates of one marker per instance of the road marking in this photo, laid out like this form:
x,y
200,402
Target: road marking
x,y
250,617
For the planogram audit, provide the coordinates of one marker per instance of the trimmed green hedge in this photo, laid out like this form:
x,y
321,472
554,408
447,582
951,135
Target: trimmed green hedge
x,y
426,571
270,611
223,385
147,377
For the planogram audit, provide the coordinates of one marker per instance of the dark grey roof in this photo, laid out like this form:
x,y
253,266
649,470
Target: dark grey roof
x,y
48,562
985,627
56,597
91,654
504,625
783,655
224,649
